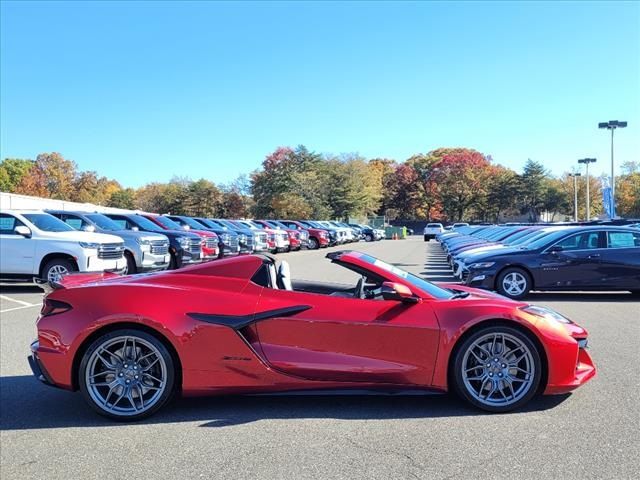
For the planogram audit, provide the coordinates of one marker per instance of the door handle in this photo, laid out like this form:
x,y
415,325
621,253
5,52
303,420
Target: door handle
x,y
594,255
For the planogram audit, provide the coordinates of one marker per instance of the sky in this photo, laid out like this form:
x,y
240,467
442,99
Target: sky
x,y
144,91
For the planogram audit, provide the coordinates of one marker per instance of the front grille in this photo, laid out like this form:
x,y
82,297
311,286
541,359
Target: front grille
x,y
249,240
284,236
110,251
233,243
194,245
465,275
159,247
262,238
211,242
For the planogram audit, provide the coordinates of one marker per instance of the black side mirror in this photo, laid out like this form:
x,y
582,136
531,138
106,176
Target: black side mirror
x,y
555,249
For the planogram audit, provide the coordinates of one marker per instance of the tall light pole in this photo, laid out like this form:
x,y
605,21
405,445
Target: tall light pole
x,y
575,176
587,161
612,125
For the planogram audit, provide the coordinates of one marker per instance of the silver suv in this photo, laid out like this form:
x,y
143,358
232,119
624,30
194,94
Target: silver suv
x,y
144,251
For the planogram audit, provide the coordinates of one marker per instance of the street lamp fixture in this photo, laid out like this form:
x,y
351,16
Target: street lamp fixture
x,y
586,162
612,125
575,176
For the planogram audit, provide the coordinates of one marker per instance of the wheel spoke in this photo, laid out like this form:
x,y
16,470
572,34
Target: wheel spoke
x,y
146,368
148,375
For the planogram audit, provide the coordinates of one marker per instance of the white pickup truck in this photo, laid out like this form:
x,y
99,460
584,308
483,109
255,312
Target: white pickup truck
x,y
36,244
431,230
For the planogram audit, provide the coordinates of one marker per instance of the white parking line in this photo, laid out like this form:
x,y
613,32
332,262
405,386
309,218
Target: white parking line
x,y
20,302
19,308
26,304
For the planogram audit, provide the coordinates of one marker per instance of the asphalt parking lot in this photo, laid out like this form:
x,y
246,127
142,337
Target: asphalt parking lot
x,y
593,433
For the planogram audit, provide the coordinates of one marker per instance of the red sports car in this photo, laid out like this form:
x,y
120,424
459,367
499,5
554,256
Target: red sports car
x,y
242,325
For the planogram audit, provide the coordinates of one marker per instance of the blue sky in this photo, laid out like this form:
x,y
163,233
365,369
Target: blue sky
x,y
144,91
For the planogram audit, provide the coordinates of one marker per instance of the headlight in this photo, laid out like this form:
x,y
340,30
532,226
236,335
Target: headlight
x,y
481,265
545,313
143,241
89,245
184,241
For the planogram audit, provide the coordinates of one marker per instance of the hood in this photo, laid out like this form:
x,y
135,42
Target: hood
x,y
492,253
80,236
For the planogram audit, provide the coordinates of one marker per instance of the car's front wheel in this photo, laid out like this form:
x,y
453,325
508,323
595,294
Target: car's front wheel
x,y
514,283
127,375
497,369
55,269
313,243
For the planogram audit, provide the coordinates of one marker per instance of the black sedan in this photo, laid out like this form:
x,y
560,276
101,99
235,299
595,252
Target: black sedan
x,y
578,258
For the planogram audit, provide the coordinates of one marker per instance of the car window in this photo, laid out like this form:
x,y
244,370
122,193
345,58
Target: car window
x,y
8,223
580,241
74,222
623,239
47,223
121,223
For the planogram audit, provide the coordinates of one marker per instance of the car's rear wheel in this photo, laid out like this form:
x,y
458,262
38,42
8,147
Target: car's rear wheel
x,y
369,237
55,269
497,369
127,375
313,243
514,283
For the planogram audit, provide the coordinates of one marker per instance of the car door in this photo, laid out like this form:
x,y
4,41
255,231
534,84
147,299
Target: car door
x,y
620,262
572,262
343,339
17,252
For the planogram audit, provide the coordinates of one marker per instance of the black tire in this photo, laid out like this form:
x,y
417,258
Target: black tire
x,y
173,262
163,398
369,237
131,264
456,376
426,238
59,264
313,243
520,275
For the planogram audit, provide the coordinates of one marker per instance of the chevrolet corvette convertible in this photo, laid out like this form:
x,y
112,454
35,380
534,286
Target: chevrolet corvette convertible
x,y
242,325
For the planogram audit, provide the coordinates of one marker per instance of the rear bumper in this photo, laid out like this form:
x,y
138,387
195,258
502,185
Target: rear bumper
x,y
36,366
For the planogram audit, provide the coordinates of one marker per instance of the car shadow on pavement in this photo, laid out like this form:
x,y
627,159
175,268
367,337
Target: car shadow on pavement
x,y
27,404
599,297
26,288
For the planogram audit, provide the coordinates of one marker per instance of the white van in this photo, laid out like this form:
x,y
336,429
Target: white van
x,y
36,244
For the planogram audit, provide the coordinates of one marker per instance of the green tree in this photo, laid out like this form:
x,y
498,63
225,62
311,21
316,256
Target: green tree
x,y
533,182
12,171
125,198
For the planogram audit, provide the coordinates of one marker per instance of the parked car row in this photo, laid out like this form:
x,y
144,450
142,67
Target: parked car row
x,y
516,259
52,243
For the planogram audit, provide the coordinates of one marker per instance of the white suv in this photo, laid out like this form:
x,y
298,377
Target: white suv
x,y
36,244
431,230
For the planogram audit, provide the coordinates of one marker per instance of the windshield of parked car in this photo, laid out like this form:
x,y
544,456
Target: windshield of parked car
x,y
105,223
521,237
548,239
191,222
428,287
47,223
145,224
167,222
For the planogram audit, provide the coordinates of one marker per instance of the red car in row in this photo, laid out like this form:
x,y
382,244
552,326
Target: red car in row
x,y
243,325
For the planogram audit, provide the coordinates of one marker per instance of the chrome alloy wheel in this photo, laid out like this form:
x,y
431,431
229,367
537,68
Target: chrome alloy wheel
x,y
56,272
498,369
514,283
126,375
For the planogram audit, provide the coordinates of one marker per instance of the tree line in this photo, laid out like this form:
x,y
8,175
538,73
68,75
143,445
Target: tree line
x,y
452,184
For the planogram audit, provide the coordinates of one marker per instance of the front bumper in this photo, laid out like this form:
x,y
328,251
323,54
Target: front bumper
x,y
484,279
151,262
94,264
585,370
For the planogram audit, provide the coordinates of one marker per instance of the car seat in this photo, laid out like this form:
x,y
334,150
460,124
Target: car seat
x,y
284,276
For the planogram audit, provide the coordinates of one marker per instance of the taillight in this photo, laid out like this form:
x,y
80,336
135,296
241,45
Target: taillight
x,y
53,307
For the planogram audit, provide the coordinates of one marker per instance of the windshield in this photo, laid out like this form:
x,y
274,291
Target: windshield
x,y
546,239
145,224
522,237
47,223
191,222
428,287
105,223
167,222
227,224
